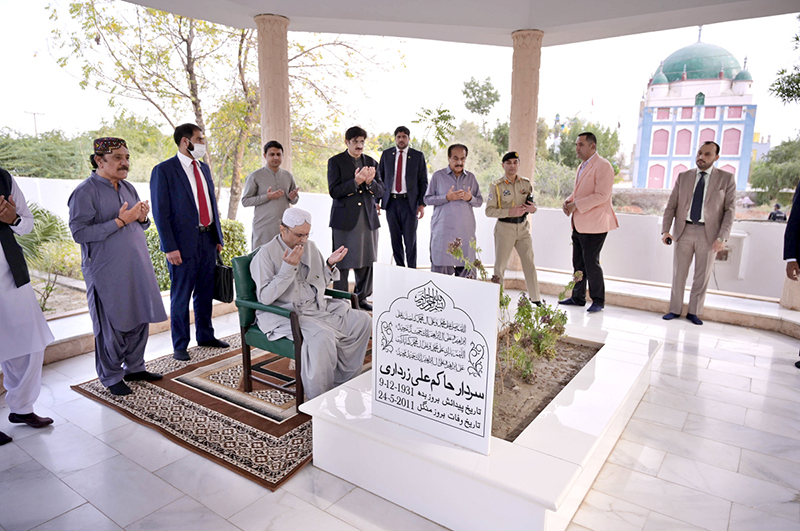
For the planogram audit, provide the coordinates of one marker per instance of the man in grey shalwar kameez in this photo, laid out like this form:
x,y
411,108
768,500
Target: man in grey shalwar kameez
x,y
290,272
108,220
271,190
454,193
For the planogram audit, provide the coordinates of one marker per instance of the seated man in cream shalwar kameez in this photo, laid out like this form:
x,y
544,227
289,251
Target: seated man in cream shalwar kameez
x,y
290,272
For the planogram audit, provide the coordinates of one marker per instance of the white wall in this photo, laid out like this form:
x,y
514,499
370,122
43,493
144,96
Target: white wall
x,y
633,251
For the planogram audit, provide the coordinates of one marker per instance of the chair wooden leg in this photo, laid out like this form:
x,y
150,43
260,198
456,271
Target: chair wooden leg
x,y
297,337
248,381
298,347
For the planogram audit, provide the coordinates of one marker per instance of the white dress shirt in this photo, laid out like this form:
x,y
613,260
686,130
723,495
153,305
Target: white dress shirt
x,y
186,162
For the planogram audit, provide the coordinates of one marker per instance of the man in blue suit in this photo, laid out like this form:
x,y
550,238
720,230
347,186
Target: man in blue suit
x,y
186,215
405,179
791,242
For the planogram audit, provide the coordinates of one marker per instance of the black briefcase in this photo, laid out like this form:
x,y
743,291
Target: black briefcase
x,y
223,281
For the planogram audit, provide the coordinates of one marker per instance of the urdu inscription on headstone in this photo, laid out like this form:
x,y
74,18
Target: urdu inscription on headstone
x,y
434,345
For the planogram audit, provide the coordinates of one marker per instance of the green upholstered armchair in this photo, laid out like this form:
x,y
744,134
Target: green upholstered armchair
x,y
247,303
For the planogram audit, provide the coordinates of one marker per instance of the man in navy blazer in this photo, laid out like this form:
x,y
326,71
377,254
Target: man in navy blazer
x,y
791,242
186,215
405,181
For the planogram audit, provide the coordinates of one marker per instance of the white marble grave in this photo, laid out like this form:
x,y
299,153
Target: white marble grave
x,y
535,483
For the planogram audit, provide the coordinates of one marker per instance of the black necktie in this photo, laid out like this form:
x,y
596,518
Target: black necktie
x,y
697,201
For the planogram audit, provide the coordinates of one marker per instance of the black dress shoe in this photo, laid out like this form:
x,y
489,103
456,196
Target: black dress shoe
x,y
142,376
571,302
181,355
119,389
694,319
215,343
364,305
4,439
797,364
670,316
595,307
537,303
31,419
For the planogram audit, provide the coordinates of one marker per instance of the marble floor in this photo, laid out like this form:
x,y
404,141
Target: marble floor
x,y
714,444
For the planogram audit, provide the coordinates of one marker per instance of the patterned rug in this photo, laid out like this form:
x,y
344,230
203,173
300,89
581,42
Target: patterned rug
x,y
201,405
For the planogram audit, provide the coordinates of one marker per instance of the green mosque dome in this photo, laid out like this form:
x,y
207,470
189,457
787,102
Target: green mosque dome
x,y
744,75
701,61
659,78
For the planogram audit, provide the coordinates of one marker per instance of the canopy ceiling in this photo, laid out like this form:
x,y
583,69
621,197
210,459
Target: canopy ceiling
x,y
479,21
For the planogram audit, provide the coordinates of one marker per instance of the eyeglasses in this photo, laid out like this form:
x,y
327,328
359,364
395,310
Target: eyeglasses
x,y
301,236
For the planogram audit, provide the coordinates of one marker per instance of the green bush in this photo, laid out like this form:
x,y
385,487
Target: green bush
x,y
552,180
157,257
232,234
235,240
47,227
65,258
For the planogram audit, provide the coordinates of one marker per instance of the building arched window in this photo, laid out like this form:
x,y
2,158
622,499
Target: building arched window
x,y
683,142
729,168
700,99
655,177
660,142
730,141
706,135
677,170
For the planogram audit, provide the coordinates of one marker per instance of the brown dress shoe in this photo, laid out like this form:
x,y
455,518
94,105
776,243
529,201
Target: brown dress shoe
x,y
31,419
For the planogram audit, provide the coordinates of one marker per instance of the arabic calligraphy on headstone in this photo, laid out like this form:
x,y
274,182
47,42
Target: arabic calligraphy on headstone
x,y
432,361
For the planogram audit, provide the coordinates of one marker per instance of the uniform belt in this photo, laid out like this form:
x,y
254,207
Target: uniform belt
x,y
520,219
688,222
398,196
204,229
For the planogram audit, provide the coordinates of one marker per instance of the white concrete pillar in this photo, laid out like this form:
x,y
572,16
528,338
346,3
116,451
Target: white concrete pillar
x,y
273,82
524,107
525,97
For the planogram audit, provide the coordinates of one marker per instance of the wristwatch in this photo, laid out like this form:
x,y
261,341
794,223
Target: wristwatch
x,y
720,240
17,221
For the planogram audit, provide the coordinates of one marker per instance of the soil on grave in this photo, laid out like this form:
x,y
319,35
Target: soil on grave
x,y
518,401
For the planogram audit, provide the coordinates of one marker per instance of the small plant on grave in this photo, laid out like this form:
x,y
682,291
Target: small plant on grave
x,y
475,267
535,329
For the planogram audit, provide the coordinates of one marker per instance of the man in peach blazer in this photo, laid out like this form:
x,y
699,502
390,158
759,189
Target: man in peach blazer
x,y
702,203
592,218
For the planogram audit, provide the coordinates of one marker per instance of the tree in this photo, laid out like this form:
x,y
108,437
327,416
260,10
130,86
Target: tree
x,y
147,144
787,85
499,137
439,121
608,143
51,155
157,57
780,169
481,97
482,160
236,121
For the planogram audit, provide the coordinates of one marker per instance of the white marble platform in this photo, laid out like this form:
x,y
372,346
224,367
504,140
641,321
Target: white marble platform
x,y
535,483
714,444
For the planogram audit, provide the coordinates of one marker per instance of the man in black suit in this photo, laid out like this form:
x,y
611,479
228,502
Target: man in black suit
x,y
354,184
791,242
405,179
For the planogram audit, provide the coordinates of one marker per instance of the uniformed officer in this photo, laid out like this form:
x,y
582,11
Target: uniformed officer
x,y
511,200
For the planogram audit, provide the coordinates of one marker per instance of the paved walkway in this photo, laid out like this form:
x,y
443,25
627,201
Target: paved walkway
x,y
714,444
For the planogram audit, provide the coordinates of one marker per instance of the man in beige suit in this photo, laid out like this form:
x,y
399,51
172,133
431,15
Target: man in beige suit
x,y
702,205
592,218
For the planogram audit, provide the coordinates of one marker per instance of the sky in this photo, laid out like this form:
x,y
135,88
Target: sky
x,y
602,80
